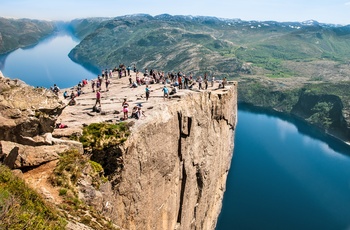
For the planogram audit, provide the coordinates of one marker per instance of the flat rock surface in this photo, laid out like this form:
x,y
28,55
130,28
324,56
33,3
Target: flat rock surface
x,y
111,103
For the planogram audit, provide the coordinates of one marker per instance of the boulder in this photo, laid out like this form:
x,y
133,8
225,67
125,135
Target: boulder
x,y
26,112
17,156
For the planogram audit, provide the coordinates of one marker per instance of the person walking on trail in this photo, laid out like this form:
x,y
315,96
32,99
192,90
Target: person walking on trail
x,y
125,106
147,92
107,84
98,97
166,92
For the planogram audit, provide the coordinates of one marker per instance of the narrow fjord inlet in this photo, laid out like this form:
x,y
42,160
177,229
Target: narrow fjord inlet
x,y
284,174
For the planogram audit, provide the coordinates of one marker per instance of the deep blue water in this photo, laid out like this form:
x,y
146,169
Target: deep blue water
x,y
46,64
284,174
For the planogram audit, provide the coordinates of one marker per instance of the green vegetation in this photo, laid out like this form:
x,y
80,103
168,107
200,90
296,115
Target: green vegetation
x,y
200,44
321,115
17,33
266,95
22,208
71,168
98,136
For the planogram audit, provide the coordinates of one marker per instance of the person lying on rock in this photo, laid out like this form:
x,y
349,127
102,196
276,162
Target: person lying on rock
x,y
61,126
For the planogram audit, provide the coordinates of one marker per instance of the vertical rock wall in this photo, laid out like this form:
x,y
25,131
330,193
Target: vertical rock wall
x,y
176,163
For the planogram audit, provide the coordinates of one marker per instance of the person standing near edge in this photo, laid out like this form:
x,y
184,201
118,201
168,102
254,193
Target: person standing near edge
x,y
147,92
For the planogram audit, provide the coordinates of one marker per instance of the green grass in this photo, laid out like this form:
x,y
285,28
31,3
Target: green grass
x,y
22,208
103,135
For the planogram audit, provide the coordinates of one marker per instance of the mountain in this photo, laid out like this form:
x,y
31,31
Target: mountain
x,y
18,33
275,63
209,44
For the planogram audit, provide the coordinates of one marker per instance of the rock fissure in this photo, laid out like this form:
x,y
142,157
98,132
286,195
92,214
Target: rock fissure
x,y
182,193
200,184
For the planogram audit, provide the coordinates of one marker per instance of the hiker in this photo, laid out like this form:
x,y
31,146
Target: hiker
x,y
139,113
212,80
224,82
61,126
134,112
173,91
166,92
72,99
147,92
98,97
199,80
205,82
100,78
93,85
107,84
186,81
128,69
125,106
65,94
55,89
179,79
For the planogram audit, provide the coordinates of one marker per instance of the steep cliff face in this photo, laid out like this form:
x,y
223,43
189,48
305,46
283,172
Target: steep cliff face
x,y
170,172
175,164
326,111
325,105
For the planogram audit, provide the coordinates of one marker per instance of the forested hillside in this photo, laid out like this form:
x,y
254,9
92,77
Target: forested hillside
x,y
275,63
17,33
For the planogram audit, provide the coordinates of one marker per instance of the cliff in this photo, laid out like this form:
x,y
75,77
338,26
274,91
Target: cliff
x,y
176,164
171,171
322,104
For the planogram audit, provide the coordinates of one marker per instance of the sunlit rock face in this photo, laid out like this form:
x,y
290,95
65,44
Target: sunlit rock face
x,y
175,164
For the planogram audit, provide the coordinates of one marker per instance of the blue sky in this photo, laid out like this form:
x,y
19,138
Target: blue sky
x,y
326,11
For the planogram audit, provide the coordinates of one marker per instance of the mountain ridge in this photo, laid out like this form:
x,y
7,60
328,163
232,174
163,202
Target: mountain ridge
x,y
270,54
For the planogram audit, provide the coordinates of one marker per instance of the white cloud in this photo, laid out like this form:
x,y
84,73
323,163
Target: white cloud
x,y
285,128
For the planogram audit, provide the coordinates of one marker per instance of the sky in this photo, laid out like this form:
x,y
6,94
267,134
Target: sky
x,y
324,11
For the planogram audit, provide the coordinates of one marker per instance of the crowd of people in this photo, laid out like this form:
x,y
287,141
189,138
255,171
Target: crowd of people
x,y
172,82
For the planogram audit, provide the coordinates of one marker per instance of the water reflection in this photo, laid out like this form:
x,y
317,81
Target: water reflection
x,y
290,124
285,176
47,63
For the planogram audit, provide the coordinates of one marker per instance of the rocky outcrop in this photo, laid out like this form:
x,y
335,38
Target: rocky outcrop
x,y
17,156
27,119
26,111
175,164
325,111
324,105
